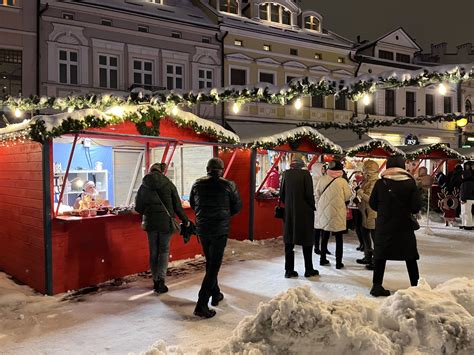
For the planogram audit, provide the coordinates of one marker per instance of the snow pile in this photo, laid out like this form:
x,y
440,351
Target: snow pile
x,y
415,320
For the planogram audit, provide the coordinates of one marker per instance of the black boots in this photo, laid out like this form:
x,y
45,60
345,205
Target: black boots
x,y
216,299
159,286
311,273
364,261
378,290
204,311
290,274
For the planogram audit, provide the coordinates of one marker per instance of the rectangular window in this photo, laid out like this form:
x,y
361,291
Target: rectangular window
x,y
429,105
68,16
11,79
105,22
370,108
275,13
341,102
340,60
404,58
206,39
317,101
238,43
267,78
318,56
174,76
293,51
385,55
290,78
68,66
108,71
143,72
285,17
410,104
238,77
176,34
389,102
267,47
205,78
143,29
448,104
8,2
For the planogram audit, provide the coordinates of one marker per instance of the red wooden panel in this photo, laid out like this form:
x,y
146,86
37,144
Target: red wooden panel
x,y
266,226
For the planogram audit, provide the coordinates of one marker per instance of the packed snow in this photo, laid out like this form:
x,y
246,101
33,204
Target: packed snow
x,y
262,312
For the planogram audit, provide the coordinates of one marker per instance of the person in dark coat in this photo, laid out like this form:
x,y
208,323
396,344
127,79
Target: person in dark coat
x,y
158,201
296,193
215,200
395,198
455,178
466,196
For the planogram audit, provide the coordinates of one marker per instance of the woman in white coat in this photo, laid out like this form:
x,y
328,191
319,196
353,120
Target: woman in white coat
x,y
318,170
332,193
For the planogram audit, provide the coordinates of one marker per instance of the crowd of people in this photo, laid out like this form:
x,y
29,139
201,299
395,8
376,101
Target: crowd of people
x,y
315,207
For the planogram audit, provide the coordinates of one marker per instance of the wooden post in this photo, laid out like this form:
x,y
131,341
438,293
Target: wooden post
x,y
253,162
275,163
66,174
229,165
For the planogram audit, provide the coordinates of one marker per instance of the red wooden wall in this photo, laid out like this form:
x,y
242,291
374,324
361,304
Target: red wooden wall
x,y
21,211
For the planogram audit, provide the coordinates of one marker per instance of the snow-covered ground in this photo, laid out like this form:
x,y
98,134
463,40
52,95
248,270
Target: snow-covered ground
x,y
130,318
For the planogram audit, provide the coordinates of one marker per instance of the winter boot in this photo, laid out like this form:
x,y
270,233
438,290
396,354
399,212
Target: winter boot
x,y
364,261
324,262
290,274
378,290
339,265
159,286
311,273
204,311
216,299
317,251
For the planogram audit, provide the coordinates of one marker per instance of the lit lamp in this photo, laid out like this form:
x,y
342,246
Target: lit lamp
x,y
77,184
174,110
18,113
235,108
298,104
442,89
462,122
366,100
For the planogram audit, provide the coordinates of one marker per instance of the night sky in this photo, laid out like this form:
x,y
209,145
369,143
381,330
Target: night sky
x,y
427,21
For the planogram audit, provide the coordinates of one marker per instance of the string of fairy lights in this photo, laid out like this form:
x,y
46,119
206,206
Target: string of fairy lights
x,y
156,105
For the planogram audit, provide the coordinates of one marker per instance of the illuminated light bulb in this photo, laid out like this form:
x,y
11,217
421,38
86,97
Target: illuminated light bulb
x,y
298,104
366,100
116,111
442,89
18,113
462,122
70,109
174,110
235,108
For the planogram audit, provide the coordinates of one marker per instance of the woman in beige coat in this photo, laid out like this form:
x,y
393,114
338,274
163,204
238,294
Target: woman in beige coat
x,y
370,170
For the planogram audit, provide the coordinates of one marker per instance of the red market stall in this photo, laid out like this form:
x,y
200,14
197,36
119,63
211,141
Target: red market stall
x,y
45,243
251,170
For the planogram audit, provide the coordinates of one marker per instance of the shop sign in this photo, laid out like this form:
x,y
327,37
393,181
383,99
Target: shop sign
x,y
411,139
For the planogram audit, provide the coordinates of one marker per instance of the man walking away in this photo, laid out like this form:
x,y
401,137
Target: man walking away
x,y
467,197
158,202
215,200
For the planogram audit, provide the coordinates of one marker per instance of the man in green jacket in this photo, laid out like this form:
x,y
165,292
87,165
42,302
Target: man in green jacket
x,y
158,202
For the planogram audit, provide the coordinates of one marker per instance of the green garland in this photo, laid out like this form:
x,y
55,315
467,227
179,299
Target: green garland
x,y
450,153
372,145
353,89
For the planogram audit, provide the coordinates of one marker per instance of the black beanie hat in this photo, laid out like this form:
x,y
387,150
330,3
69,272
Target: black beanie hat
x,y
335,165
396,162
215,164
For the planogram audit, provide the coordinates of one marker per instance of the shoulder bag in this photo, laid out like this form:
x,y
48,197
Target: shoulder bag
x,y
175,225
414,222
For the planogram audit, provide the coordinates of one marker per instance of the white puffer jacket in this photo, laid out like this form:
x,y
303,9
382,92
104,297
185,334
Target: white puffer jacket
x,y
331,205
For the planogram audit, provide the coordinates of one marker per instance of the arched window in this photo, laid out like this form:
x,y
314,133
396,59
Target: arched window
x,y
312,23
275,13
230,6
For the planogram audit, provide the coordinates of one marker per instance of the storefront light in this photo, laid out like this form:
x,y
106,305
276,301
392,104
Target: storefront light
x,y
235,108
298,104
18,113
442,89
462,122
366,100
470,139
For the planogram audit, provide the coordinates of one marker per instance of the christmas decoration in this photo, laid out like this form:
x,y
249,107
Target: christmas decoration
x,y
425,151
373,144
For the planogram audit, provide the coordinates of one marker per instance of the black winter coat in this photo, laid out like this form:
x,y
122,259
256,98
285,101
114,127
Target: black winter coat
x,y
215,200
394,235
297,194
467,187
156,218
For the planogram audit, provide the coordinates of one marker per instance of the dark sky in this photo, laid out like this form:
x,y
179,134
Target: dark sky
x,y
427,21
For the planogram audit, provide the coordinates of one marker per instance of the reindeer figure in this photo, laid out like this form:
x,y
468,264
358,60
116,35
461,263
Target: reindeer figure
x,y
449,203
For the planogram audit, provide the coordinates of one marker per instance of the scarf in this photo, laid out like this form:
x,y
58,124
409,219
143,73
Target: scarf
x,y
335,173
397,174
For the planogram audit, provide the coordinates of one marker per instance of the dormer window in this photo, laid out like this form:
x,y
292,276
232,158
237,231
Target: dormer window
x,y
275,13
312,23
229,6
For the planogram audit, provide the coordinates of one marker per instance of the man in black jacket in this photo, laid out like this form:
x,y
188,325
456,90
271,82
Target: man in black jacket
x,y
158,202
467,197
215,200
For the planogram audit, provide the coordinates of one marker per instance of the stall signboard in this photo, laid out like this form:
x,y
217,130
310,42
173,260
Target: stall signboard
x,y
412,139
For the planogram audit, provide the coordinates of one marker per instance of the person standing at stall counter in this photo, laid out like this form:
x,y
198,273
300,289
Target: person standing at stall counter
x,y
158,201
215,200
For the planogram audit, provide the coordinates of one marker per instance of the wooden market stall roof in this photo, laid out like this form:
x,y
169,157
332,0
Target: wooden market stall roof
x,y
431,151
374,148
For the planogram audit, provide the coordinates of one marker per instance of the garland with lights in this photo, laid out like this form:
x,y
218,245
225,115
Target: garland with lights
x,y
450,153
371,145
353,88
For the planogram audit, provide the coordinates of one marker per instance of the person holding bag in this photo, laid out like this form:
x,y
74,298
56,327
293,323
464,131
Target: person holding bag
x,y
332,193
158,202
396,199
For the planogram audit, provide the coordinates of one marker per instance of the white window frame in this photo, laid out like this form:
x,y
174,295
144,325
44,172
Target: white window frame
x,y
312,22
142,71
264,71
281,8
174,76
109,48
108,67
292,75
68,64
247,73
205,80
218,8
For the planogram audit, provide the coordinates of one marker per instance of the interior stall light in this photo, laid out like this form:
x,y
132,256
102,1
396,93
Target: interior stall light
x,y
236,107
462,122
174,110
442,89
366,100
298,104
18,113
